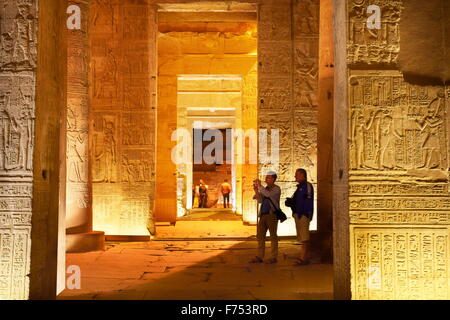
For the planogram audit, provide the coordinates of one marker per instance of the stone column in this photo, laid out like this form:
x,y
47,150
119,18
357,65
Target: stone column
x,y
47,270
18,59
399,200
80,236
123,115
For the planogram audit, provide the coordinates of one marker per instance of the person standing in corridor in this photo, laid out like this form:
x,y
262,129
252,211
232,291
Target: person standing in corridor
x,y
269,197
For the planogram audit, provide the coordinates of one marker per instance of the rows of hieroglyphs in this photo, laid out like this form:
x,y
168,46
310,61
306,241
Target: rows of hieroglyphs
x,y
399,185
18,27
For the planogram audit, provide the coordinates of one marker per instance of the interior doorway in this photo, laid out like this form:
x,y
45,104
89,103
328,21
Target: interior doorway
x,y
207,91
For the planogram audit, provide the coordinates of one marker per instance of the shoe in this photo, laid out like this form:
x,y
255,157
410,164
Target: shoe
x,y
256,260
272,260
300,262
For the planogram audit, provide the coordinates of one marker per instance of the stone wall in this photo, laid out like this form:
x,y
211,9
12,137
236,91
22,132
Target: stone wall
x,y
288,86
78,203
399,199
122,115
18,58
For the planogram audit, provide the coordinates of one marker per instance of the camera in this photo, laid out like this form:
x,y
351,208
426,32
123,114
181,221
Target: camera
x,y
289,202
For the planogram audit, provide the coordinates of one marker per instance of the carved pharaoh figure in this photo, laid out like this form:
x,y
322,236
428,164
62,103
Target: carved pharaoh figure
x,y
109,151
360,126
76,155
430,127
387,143
23,36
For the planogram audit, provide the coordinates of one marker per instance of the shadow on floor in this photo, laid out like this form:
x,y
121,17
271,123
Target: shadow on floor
x,y
174,270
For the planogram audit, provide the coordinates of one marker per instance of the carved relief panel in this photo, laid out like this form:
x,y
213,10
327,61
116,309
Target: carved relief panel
x,y
18,30
373,46
123,97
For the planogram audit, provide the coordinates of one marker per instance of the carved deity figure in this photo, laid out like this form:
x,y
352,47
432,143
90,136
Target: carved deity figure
x,y
76,149
108,76
430,127
23,36
307,19
306,83
388,134
360,126
109,145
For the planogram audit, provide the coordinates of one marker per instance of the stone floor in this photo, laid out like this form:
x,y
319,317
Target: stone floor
x,y
202,270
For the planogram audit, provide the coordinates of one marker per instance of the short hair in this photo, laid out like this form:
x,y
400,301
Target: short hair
x,y
225,180
303,171
273,174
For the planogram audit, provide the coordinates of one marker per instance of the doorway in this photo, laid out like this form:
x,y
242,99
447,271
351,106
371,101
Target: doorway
x,y
207,88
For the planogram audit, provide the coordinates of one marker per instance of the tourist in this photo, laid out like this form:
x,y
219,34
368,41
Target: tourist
x,y
203,194
269,197
302,205
225,188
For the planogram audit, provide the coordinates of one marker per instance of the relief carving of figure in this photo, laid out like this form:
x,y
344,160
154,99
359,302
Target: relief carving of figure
x,y
108,153
430,127
108,76
360,126
76,155
306,83
386,158
23,37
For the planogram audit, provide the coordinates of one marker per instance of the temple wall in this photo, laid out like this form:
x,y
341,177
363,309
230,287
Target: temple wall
x,y
288,88
122,115
78,201
399,199
18,58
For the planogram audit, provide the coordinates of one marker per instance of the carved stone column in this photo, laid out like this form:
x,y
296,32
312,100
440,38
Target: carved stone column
x,y
80,236
18,25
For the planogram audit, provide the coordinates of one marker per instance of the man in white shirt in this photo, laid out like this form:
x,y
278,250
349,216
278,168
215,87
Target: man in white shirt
x,y
267,217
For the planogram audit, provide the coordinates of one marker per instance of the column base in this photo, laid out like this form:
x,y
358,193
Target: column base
x,y
84,242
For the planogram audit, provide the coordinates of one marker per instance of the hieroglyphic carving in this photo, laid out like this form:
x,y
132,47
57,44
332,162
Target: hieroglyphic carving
x,y
16,117
137,129
373,46
123,102
399,203
275,21
18,35
105,143
137,166
275,94
390,263
400,217
394,125
18,41
383,189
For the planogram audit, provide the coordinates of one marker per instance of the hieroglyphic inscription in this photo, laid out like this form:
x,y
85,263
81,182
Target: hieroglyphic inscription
x,y
395,125
18,28
16,118
77,188
373,46
400,217
18,41
389,263
123,102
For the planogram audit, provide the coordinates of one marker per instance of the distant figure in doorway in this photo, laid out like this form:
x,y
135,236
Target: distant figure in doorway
x,y
195,195
302,205
225,188
203,194
269,197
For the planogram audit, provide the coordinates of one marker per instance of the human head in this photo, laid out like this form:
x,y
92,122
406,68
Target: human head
x,y
201,181
301,175
271,177
226,180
